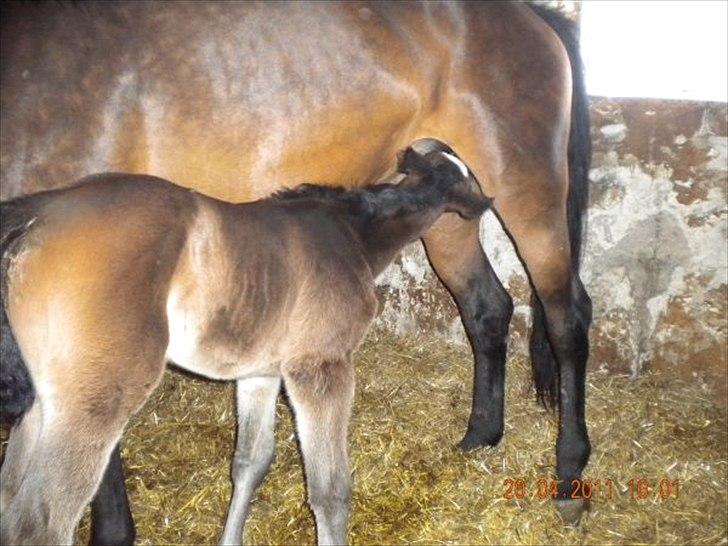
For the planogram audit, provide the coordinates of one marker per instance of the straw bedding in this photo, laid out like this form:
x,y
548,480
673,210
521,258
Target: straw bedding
x,y
411,485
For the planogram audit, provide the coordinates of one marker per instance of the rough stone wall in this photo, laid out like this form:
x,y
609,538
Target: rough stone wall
x,y
655,255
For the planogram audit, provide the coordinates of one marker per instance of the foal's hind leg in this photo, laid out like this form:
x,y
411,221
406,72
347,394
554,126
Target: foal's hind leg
x,y
62,474
23,439
321,394
256,405
77,436
454,249
112,524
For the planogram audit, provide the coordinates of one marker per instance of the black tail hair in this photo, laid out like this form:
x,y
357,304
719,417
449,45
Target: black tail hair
x,y
545,372
16,387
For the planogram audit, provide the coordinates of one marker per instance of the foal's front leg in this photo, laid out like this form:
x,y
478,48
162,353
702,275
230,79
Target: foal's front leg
x,y
321,393
255,449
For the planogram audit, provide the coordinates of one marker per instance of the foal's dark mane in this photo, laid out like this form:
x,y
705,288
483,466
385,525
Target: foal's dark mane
x,y
369,203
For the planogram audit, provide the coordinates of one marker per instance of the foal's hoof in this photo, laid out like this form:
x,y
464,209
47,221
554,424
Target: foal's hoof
x,y
476,438
571,510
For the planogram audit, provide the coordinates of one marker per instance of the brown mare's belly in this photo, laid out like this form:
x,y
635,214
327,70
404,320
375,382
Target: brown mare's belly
x,y
233,99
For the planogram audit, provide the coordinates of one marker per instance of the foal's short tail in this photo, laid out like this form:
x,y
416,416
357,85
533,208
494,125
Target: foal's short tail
x,y
545,368
16,388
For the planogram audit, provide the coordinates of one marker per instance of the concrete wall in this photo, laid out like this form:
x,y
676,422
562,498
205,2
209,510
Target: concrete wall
x,y
655,255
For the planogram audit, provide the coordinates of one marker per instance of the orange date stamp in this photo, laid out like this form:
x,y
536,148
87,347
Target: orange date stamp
x,y
586,489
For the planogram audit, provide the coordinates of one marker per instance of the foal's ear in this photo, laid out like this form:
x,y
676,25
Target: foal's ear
x,y
411,161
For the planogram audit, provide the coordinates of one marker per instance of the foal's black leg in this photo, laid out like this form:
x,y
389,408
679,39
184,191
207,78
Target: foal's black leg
x,y
486,309
111,520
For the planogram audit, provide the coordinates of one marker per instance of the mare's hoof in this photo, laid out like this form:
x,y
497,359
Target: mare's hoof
x,y
475,438
571,510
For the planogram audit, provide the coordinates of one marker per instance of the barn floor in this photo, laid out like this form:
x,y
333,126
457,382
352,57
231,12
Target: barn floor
x,y
411,485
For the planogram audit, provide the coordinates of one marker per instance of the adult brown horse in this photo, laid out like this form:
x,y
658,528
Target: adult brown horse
x,y
239,99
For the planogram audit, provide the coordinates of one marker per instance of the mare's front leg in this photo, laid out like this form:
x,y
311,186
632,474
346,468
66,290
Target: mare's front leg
x,y
321,393
454,249
255,449
111,520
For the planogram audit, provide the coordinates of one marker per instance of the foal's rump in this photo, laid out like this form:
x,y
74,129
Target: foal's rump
x,y
84,273
86,282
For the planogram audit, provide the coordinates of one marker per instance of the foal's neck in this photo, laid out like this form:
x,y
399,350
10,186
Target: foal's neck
x,y
398,217
384,217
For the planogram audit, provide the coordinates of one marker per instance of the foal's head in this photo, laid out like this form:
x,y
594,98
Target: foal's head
x,y
433,168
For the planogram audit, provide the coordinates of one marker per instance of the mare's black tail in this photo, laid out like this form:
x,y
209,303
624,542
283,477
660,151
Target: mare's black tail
x,y
545,371
16,388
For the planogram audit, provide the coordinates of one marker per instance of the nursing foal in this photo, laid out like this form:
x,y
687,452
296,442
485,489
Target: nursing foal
x,y
107,280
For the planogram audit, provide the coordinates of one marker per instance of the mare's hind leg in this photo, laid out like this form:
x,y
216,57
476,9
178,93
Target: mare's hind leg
x,y
23,439
537,222
321,394
454,249
255,449
510,121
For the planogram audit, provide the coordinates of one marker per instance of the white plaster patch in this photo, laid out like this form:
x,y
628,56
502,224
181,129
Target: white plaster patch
x,y
616,287
499,249
416,268
616,132
620,234
718,153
